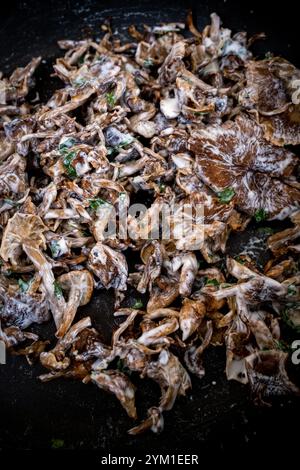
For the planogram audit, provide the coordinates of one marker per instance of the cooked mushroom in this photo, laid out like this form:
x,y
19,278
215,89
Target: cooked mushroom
x,y
183,125
109,266
80,285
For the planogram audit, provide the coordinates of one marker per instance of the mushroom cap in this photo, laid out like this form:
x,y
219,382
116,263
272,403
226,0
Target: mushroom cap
x,y
82,280
21,229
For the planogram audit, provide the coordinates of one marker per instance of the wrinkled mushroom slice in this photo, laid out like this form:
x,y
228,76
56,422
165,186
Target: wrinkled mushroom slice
x,y
56,359
109,266
25,232
164,296
191,316
193,355
118,384
20,80
262,76
279,117
159,333
255,288
171,376
172,64
13,180
80,285
235,156
22,309
152,256
13,335
268,376
155,422
284,128
21,229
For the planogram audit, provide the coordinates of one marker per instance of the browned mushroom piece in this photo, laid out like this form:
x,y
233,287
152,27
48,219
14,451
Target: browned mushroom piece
x,y
79,285
109,266
25,233
119,384
247,166
268,376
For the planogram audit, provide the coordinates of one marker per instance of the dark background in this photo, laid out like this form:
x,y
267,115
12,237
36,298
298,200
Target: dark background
x,y
218,416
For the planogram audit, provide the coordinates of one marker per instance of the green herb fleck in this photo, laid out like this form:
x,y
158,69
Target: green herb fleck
x,y
265,230
268,55
291,290
224,285
54,247
138,304
57,443
211,282
260,215
79,81
226,195
122,368
148,63
240,260
282,345
201,113
111,99
57,290
97,202
66,144
11,202
23,285
68,159
286,318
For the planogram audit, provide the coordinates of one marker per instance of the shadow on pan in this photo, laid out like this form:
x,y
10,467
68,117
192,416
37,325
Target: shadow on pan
x,y
218,414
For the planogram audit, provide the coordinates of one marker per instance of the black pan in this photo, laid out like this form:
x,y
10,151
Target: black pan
x,y
217,414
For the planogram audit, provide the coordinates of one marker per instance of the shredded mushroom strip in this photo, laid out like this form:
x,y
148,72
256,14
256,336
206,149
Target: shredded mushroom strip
x,y
176,115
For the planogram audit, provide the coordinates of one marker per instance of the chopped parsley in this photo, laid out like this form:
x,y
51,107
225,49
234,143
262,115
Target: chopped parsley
x,y
286,317
268,55
239,260
201,113
97,202
265,230
226,195
148,63
260,215
57,443
23,285
111,99
79,81
138,304
11,202
122,368
291,290
54,247
66,144
111,151
282,345
211,282
57,290
67,161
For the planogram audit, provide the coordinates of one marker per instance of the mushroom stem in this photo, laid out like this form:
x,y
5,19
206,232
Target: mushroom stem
x,y
70,311
57,304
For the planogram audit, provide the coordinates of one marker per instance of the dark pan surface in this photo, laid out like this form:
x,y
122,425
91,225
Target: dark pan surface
x,y
217,414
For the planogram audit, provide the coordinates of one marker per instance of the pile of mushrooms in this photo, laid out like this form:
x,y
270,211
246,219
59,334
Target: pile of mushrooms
x,y
174,115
